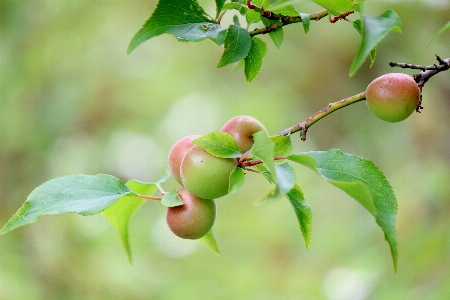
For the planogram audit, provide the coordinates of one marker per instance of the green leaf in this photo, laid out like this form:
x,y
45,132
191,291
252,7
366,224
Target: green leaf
x,y
305,21
209,240
283,145
185,19
233,5
302,211
263,150
197,31
285,182
219,5
283,7
120,213
171,199
252,16
264,172
83,194
336,7
441,31
277,35
285,178
361,179
373,53
262,45
253,62
221,37
237,180
374,29
237,45
219,144
236,21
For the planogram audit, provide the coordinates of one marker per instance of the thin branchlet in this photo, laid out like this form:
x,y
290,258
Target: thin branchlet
x,y
421,78
427,72
332,107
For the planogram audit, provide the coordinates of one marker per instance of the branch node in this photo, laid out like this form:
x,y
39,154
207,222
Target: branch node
x,y
426,73
342,16
440,60
303,130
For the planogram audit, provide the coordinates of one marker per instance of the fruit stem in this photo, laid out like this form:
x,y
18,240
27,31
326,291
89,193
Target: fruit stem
x,y
149,197
252,170
303,126
246,164
161,190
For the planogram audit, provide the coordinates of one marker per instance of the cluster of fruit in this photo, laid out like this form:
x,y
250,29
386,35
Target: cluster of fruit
x,y
392,97
204,178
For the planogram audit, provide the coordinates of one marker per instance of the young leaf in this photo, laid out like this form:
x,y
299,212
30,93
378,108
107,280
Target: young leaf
x,y
283,7
219,5
283,145
285,182
236,21
252,16
336,7
253,62
171,199
185,19
374,29
209,240
221,37
441,31
264,172
263,150
219,144
357,24
277,35
237,180
83,194
237,45
262,45
301,207
363,181
120,213
302,211
305,21
233,5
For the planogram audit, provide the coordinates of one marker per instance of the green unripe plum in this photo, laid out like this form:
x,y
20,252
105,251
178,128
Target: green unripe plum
x,y
242,128
393,97
177,153
204,175
194,218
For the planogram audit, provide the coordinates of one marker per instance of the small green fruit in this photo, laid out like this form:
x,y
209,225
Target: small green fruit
x,y
205,175
242,128
393,97
177,153
194,218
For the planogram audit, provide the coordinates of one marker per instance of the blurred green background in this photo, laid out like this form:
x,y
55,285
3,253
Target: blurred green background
x,y
73,102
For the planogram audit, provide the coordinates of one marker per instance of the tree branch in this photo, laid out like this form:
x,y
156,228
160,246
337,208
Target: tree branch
x,y
332,107
283,20
427,72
